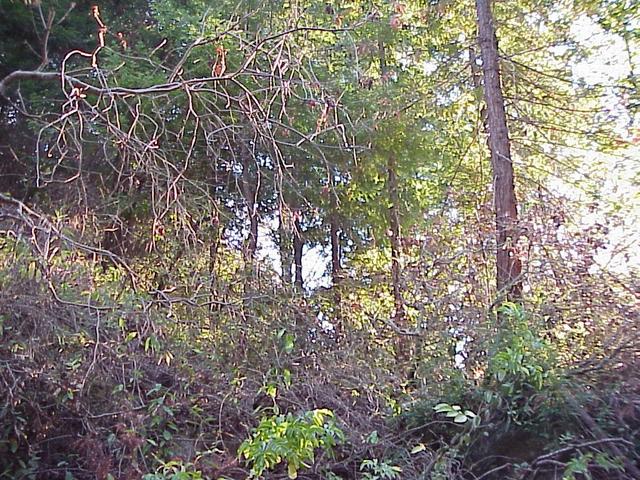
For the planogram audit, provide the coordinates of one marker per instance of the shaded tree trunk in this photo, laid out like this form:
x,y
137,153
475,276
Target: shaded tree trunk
x,y
336,267
284,245
249,190
298,246
394,224
250,194
334,234
402,346
509,268
394,217
213,265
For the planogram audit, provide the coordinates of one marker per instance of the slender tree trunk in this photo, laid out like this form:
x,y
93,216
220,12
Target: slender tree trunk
x,y
336,264
402,346
249,189
213,262
476,78
336,276
284,244
250,194
298,245
394,231
508,264
214,245
394,217
334,233
336,267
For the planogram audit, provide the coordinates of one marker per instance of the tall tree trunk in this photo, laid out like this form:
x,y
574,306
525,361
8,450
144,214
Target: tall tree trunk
x,y
298,245
394,217
394,224
249,189
334,232
336,267
508,264
214,245
284,245
402,346
213,261
250,194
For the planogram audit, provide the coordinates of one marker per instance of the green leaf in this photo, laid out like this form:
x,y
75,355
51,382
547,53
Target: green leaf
x,y
286,376
288,343
442,407
460,418
373,438
608,463
418,448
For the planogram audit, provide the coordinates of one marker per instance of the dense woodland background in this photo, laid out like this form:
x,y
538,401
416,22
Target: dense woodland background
x,y
280,239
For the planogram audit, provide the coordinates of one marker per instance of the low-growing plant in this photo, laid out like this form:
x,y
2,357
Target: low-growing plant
x,y
457,413
290,438
174,470
581,464
522,362
374,469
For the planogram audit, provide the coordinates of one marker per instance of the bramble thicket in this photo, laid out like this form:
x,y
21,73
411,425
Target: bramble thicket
x,y
319,239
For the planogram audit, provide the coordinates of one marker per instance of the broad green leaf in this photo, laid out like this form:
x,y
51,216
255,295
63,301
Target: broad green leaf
x,y
460,418
418,448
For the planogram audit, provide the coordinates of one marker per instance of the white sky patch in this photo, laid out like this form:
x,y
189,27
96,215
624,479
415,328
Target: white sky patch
x,y
622,194
267,250
618,206
429,67
608,61
315,260
619,192
315,263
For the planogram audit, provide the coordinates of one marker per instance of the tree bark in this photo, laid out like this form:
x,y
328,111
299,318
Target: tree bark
x,y
334,233
394,231
213,268
284,244
336,264
394,218
298,246
509,268
250,194
336,267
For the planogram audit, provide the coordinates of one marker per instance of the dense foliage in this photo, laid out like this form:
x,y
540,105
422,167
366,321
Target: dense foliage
x,y
262,239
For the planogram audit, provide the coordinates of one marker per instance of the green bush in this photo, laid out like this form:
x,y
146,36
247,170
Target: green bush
x,y
523,359
290,438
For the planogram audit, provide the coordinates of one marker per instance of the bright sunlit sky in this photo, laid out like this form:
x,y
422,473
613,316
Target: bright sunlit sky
x,y
608,64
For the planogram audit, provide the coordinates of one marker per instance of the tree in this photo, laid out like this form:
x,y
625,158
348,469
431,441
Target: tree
x,y
137,194
508,264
